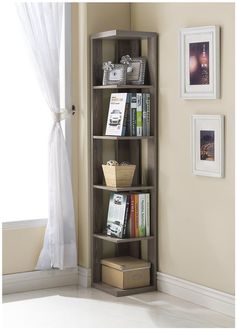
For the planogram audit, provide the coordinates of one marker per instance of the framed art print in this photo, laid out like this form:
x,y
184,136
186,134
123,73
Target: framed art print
x,y
200,62
208,145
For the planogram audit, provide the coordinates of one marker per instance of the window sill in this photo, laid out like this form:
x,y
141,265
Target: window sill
x,y
22,224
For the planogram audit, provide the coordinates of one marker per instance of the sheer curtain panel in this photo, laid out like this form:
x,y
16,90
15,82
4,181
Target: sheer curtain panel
x,y
42,23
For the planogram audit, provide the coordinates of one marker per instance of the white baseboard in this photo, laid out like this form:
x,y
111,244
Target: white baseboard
x,y
84,277
197,294
36,280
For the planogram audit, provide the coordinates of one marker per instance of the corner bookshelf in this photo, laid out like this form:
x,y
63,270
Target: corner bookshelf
x,y
141,151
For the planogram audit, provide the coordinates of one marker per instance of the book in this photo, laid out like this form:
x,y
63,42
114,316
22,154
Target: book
x,y
136,215
144,123
132,216
139,114
116,215
127,212
133,107
128,234
141,215
116,114
148,109
126,122
147,199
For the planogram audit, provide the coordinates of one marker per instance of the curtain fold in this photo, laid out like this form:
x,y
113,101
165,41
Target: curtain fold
x,y
42,23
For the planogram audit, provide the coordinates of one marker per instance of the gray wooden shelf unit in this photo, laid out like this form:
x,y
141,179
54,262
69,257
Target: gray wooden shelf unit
x,y
141,151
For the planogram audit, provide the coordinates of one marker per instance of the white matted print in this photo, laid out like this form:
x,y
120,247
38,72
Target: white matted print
x,y
200,62
208,145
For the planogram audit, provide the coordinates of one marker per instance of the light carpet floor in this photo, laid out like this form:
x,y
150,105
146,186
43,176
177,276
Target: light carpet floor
x,y
73,307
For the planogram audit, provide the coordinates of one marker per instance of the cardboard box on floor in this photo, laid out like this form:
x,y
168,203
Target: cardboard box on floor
x,y
125,272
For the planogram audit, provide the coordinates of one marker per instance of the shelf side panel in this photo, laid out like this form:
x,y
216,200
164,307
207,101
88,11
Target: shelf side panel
x,y
152,156
97,255
96,52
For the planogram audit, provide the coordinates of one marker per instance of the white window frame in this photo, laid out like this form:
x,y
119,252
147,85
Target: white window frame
x,y
22,224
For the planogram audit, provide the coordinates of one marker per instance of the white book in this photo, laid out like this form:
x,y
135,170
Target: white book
x,y
116,114
147,199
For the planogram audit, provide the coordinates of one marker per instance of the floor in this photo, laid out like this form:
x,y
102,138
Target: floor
x,y
73,307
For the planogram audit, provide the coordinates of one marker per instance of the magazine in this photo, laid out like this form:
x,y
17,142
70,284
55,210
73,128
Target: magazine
x,y
116,215
116,114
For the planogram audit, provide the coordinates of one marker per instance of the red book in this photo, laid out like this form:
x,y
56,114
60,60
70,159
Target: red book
x,y
132,216
136,221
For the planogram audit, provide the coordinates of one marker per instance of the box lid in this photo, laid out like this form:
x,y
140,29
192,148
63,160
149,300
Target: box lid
x,y
125,263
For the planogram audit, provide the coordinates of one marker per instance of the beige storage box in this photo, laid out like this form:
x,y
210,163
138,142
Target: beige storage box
x,y
125,272
118,176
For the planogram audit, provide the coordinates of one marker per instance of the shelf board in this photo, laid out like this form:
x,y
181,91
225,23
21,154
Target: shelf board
x,y
117,292
123,87
118,240
122,137
122,34
126,188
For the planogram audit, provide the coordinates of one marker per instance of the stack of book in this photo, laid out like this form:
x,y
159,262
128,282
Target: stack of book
x,y
129,114
128,215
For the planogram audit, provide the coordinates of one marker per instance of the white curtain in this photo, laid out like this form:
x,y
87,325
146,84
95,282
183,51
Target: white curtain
x,y
42,23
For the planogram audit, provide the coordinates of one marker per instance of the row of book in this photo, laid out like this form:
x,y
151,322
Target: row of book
x,y
128,215
129,114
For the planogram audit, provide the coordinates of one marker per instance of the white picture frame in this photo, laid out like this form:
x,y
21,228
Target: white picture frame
x,y
199,53
208,145
137,74
115,76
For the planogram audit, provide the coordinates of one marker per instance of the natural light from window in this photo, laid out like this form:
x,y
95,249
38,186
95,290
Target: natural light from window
x,y
25,124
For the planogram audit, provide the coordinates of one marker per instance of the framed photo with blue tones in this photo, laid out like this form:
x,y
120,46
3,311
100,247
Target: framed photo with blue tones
x,y
208,145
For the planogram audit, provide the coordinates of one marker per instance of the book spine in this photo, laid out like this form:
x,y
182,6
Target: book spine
x,y
144,115
132,216
133,107
126,114
127,208
148,110
129,117
128,228
139,114
136,214
142,215
147,199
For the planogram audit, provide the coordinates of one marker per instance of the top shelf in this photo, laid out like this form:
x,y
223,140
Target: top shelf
x,y
123,87
122,34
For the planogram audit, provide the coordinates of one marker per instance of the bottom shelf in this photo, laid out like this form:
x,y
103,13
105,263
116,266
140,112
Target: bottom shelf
x,y
117,292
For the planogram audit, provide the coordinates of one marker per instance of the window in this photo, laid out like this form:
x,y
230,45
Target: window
x,y
25,125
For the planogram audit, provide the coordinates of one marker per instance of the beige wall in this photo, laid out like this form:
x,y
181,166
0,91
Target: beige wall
x,y
196,214
21,249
